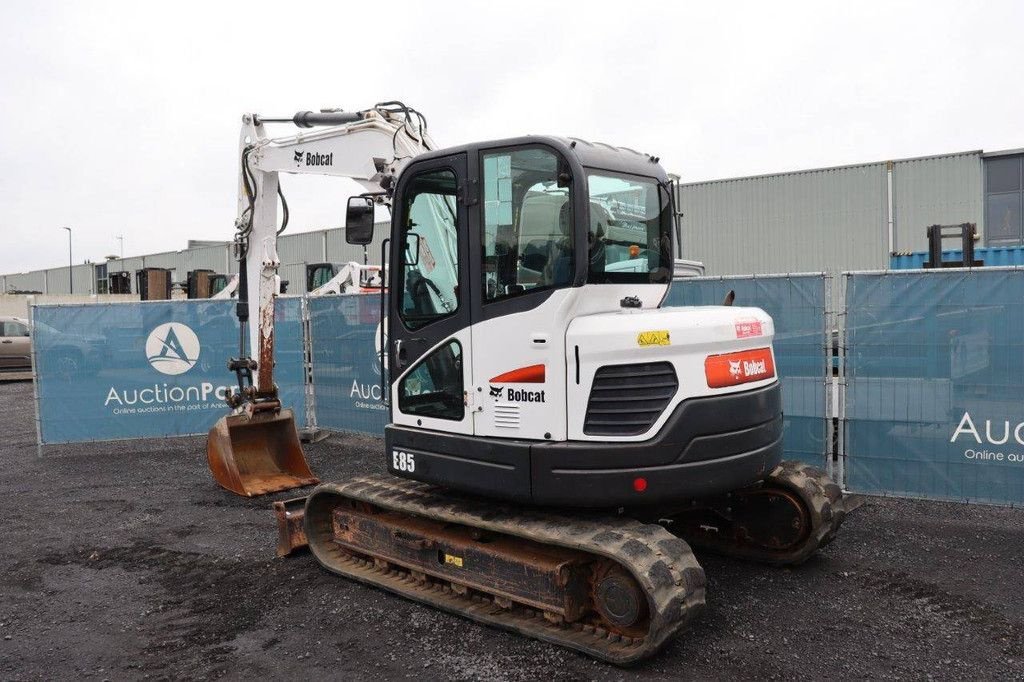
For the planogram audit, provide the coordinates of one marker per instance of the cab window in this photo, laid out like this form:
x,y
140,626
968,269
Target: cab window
x,y
528,223
429,248
629,237
433,388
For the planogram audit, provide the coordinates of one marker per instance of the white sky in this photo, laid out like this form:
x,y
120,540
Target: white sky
x,y
122,118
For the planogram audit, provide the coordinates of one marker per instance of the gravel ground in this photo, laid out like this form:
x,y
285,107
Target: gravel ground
x,y
126,561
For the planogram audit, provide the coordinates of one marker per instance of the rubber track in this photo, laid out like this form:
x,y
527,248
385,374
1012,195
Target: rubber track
x,y
662,564
823,500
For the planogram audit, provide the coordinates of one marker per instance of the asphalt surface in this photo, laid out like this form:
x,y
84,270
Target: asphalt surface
x,y
125,561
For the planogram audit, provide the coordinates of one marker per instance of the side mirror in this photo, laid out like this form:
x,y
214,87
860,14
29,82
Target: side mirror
x,y
412,248
359,221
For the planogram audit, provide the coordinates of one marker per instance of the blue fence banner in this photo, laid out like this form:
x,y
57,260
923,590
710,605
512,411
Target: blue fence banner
x,y
289,355
797,304
110,371
345,337
934,370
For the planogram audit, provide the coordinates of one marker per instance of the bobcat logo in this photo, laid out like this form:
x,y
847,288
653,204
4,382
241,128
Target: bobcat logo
x,y
298,156
734,368
495,391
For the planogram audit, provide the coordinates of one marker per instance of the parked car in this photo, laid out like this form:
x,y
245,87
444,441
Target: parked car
x,y
67,356
15,345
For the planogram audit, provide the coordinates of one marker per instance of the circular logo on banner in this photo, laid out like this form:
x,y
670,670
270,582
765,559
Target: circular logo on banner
x,y
172,348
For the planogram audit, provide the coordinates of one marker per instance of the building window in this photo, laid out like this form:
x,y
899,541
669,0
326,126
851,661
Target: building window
x,y
1003,199
100,276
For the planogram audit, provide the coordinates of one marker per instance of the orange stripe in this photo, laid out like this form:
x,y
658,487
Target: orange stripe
x,y
534,374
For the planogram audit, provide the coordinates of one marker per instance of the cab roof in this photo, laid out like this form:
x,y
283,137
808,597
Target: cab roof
x,y
584,153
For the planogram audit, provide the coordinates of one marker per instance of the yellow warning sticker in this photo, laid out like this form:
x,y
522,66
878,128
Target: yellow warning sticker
x,y
653,338
453,560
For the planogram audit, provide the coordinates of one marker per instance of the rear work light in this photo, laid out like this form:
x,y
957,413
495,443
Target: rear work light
x,y
732,369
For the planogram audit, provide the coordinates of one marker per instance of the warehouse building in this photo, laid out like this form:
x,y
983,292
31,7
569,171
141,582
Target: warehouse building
x,y
295,251
849,217
827,219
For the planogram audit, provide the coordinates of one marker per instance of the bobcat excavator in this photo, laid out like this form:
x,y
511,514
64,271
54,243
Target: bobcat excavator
x,y
557,440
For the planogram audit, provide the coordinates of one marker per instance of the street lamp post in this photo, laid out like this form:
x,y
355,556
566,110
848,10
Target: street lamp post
x,y
71,264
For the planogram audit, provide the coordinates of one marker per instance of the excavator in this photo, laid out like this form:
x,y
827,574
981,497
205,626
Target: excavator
x,y
558,440
348,278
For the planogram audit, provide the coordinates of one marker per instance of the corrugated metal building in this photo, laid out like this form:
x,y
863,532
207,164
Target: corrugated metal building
x,y
849,217
295,251
828,219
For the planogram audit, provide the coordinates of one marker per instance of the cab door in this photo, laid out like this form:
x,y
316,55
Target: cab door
x,y
428,310
525,266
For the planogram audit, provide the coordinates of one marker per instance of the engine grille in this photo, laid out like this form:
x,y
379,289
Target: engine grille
x,y
626,400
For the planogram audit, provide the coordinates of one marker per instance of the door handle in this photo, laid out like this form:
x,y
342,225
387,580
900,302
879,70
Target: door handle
x,y
400,354
7,341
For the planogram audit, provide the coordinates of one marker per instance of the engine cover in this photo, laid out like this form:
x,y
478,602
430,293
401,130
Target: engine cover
x,y
616,364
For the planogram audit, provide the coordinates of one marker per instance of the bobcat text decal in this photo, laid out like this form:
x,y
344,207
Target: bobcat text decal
x,y
739,368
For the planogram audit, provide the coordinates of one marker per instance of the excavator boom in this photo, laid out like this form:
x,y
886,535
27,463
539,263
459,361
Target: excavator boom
x,y
256,449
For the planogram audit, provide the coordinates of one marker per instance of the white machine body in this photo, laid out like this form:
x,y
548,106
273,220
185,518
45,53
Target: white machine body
x,y
571,335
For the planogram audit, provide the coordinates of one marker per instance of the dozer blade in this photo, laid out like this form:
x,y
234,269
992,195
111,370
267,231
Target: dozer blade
x,y
258,454
291,531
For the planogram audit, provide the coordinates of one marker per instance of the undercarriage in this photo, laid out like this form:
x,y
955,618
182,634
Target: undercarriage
x,y
613,586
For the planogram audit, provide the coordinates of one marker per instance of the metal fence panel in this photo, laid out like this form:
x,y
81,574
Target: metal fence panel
x,y
346,366
112,371
289,355
934,369
797,304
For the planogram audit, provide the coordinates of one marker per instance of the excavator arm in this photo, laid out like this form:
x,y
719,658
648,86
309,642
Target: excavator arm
x,y
369,147
255,450
350,279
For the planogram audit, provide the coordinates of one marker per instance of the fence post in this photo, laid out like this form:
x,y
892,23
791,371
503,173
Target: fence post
x,y
35,380
310,432
842,318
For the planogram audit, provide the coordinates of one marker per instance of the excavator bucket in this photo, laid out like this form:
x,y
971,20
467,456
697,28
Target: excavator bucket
x,y
258,454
